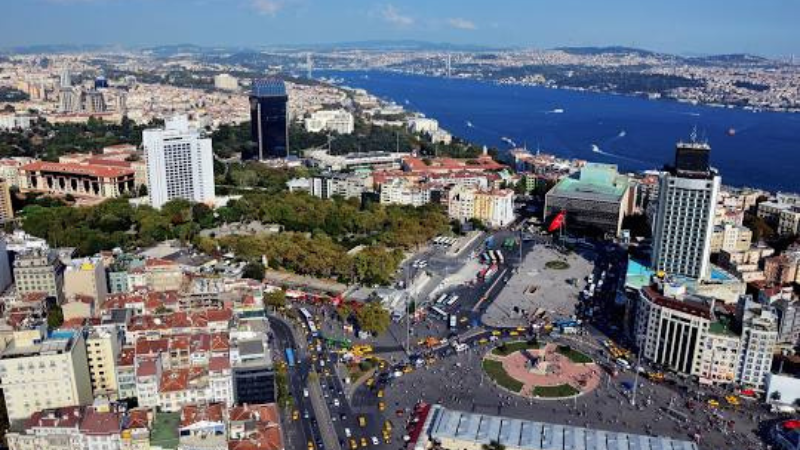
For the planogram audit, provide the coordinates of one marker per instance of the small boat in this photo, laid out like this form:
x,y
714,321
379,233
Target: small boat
x,y
731,131
558,111
469,124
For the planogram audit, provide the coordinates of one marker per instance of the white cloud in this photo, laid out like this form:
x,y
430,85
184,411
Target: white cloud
x,y
392,15
267,7
461,23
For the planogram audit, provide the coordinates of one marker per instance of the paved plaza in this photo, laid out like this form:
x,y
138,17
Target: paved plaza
x,y
534,286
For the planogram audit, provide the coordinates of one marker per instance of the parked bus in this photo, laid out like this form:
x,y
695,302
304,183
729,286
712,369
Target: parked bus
x,y
441,299
309,321
438,313
290,357
453,298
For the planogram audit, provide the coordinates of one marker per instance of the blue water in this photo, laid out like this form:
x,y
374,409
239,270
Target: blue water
x,y
635,133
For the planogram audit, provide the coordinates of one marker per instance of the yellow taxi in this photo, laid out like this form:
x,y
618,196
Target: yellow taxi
x,y
380,393
387,426
408,369
513,333
496,333
713,403
483,341
362,421
295,415
732,400
363,442
370,382
353,444
387,438
310,445
381,406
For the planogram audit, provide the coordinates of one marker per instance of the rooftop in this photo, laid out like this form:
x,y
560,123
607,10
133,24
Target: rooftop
x,y
77,169
269,87
528,435
596,181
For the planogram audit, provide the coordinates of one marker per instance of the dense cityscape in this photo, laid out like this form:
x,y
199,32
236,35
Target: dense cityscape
x,y
222,249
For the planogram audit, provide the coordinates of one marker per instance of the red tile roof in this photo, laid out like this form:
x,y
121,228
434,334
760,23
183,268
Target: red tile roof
x,y
77,169
192,414
68,417
100,423
147,368
174,380
219,363
138,418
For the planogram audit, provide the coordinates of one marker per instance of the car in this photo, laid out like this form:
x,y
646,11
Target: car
x,y
336,402
364,442
305,415
387,437
343,416
713,403
310,445
399,413
295,415
380,393
353,444
362,421
375,441
381,406
305,393
347,432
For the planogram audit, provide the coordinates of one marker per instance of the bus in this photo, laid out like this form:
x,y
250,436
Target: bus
x,y
290,357
453,298
441,299
438,313
309,321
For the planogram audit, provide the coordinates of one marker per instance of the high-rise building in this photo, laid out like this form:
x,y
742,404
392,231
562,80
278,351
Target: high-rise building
x,y
179,163
66,78
44,371
684,219
103,346
268,120
226,82
6,209
39,271
100,82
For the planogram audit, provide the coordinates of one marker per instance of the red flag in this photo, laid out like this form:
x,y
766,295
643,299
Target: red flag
x,y
558,221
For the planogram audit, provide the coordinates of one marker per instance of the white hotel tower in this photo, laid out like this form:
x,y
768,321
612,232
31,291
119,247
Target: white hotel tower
x,y
685,218
180,163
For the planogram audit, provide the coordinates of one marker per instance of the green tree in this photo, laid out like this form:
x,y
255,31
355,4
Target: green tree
x,y
373,318
55,317
254,270
275,299
343,311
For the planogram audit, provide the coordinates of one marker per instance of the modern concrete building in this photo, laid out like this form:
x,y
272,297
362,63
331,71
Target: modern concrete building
x,y
226,82
685,215
6,209
5,267
403,192
337,120
39,271
495,208
85,277
40,370
730,238
698,336
180,163
367,161
269,119
330,185
102,349
595,200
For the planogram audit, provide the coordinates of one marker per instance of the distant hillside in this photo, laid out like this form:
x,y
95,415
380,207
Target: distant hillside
x,y
611,50
735,58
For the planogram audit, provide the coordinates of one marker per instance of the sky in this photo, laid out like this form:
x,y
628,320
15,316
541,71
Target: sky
x,y
764,27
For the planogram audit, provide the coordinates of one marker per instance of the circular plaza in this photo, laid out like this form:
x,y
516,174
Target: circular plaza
x,y
547,371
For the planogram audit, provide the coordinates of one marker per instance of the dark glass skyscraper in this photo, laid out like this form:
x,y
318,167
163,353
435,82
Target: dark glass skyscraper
x,y
268,120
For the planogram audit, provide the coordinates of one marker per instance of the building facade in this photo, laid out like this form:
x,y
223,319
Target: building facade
x,y
39,271
268,120
86,180
40,371
595,201
180,163
685,215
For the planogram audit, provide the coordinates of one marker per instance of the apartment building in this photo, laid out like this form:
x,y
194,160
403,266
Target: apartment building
x,y
39,271
44,370
103,346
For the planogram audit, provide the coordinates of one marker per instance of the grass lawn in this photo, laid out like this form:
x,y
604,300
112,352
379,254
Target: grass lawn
x,y
556,265
495,370
574,355
562,390
511,347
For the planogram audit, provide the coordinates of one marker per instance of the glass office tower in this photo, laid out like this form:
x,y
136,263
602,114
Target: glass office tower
x,y
268,121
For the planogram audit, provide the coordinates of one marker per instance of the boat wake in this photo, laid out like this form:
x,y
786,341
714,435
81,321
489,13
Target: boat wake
x,y
508,141
555,111
599,151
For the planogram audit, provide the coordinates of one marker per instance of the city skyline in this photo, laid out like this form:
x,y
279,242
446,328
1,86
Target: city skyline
x,y
678,27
